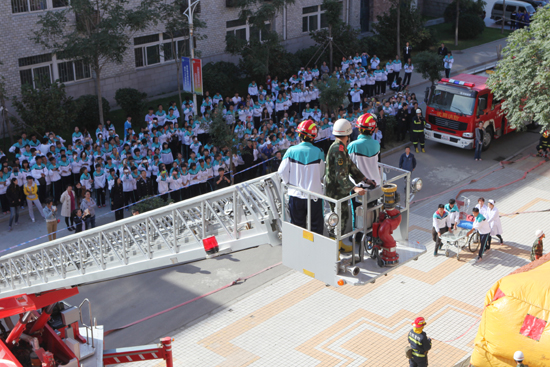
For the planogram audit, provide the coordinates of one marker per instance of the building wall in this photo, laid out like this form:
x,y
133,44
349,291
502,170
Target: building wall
x,y
160,78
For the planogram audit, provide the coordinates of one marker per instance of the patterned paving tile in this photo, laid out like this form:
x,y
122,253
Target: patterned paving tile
x,y
298,321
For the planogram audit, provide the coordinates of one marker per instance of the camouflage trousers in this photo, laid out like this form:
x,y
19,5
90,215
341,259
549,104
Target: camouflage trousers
x,y
344,216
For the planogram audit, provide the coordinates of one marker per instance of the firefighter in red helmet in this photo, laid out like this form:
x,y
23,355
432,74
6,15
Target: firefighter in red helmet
x,y
420,344
543,148
303,166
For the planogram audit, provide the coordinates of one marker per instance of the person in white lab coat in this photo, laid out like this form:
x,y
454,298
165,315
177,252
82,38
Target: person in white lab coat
x,y
483,210
494,220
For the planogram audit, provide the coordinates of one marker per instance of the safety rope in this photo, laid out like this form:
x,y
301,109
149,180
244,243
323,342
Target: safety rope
x,y
237,281
460,336
502,164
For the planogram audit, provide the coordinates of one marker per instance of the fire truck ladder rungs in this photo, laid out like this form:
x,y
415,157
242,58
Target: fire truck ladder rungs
x,y
240,217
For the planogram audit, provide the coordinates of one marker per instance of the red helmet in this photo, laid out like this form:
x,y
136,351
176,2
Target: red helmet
x,y
419,322
367,121
546,133
307,128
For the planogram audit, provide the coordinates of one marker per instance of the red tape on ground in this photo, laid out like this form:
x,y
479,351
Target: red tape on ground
x,y
502,163
192,300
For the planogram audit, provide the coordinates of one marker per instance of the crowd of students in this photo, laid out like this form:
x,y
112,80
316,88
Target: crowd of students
x,y
171,153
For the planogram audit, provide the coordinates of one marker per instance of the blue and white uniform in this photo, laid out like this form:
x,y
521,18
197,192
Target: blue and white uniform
x,y
364,153
303,166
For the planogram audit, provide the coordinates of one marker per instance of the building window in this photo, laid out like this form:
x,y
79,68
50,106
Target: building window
x,y
244,30
313,18
35,70
157,48
70,71
25,6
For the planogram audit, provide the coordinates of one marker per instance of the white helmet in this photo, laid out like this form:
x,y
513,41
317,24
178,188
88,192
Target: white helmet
x,y
518,356
342,127
418,110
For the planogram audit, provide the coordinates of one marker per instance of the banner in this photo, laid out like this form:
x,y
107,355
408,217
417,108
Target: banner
x,y
197,76
186,73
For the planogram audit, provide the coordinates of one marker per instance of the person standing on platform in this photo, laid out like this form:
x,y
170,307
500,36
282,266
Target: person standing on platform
x,y
303,166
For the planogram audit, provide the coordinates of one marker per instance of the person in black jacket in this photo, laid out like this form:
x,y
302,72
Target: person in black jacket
x,y
407,50
14,196
420,344
381,125
117,199
402,118
442,51
248,158
222,181
144,187
77,220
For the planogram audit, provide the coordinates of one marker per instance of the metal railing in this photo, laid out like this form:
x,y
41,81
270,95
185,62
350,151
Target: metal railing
x,y
402,231
240,216
88,327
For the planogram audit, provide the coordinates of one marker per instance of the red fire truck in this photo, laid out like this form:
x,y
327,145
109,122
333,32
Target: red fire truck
x,y
456,106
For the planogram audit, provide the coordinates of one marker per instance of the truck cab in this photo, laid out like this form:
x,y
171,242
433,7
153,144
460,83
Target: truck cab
x,y
457,105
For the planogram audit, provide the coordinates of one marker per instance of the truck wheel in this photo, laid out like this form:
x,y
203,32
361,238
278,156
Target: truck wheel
x,y
488,138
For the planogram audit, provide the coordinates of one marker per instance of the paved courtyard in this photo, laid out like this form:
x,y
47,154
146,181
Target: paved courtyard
x,y
299,321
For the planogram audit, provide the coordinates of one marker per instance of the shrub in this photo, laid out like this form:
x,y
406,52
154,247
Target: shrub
x,y
149,203
132,101
88,112
469,26
47,108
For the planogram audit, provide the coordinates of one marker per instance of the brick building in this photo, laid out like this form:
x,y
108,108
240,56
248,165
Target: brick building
x,y
146,67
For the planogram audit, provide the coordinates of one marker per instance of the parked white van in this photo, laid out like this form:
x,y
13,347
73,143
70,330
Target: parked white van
x,y
511,6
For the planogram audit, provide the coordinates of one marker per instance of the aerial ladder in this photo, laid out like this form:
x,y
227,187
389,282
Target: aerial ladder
x,y
35,281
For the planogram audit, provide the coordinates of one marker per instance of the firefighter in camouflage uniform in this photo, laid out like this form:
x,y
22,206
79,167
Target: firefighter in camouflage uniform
x,y
338,169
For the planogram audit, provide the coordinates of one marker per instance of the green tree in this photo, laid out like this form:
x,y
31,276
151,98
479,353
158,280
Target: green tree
x,y
469,17
333,93
263,53
101,34
3,98
132,101
429,65
46,108
221,77
522,77
411,29
88,113
223,136
335,33
177,25
260,57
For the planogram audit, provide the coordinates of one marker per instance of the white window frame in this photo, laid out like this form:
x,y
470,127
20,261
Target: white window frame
x,y
246,27
53,65
57,63
44,6
160,44
318,13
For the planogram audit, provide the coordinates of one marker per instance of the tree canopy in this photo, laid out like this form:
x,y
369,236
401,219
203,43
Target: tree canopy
x,y
263,52
411,29
429,65
333,93
522,77
94,31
